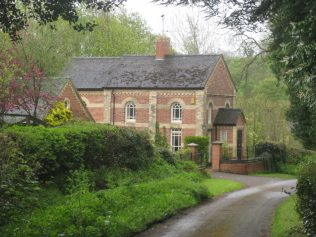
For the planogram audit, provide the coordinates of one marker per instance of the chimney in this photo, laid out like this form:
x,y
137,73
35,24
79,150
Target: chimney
x,y
162,47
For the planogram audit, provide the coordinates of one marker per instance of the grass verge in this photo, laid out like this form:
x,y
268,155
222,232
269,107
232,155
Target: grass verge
x,y
275,175
217,187
131,202
286,222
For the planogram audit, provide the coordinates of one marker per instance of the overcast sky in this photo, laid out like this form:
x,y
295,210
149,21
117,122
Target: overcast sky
x,y
151,12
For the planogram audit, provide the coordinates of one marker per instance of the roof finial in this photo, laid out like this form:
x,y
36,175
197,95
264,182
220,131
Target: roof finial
x,y
163,23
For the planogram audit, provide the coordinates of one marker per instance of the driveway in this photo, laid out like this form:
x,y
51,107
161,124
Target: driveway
x,y
245,213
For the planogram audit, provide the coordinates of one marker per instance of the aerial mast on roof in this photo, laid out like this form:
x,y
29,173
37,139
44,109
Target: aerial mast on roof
x,y
163,23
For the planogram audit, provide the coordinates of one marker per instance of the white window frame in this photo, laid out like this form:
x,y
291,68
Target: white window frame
x,y
223,136
176,139
227,104
67,103
176,113
130,112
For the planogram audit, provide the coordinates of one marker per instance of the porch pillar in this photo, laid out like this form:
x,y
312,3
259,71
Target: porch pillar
x,y
216,155
194,152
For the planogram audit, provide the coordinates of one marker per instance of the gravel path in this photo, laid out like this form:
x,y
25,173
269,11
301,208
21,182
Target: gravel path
x,y
245,213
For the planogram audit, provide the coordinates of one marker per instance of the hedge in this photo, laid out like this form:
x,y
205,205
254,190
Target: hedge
x,y
70,147
306,192
18,183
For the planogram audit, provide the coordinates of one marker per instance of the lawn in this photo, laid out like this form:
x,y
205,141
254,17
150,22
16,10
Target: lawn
x,y
286,221
275,175
218,187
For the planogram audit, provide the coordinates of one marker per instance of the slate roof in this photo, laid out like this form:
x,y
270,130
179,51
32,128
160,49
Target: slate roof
x,y
228,117
174,72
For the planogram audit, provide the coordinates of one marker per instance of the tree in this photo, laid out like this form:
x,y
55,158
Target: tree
x,y
22,86
15,15
31,93
9,69
116,34
191,34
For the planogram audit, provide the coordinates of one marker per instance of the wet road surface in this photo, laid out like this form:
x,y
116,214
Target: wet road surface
x,y
245,213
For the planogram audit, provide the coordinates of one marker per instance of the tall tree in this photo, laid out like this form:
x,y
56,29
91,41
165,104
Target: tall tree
x,y
116,34
191,34
15,14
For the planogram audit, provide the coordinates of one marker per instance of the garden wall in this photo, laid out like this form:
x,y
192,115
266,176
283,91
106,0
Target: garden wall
x,y
234,166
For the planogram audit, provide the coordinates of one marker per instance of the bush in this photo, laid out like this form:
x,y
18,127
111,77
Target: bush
x,y
167,155
295,155
277,150
58,115
116,212
306,192
18,184
203,145
61,149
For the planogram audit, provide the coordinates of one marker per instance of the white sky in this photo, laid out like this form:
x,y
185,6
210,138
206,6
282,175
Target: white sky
x,y
151,12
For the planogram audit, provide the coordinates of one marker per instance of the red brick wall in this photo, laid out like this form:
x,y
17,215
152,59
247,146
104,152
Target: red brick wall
x,y
141,100
220,82
217,133
242,168
76,106
97,114
95,104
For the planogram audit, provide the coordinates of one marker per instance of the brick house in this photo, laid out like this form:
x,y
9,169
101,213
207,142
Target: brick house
x,y
183,93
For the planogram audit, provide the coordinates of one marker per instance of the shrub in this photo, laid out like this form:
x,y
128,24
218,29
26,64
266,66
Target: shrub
x,y
167,155
58,115
18,184
70,147
295,155
116,212
203,145
277,150
306,192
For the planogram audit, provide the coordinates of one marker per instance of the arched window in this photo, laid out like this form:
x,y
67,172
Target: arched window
x,y
176,112
67,103
130,111
227,104
210,113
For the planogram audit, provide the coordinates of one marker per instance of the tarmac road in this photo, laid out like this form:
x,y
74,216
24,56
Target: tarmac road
x,y
245,213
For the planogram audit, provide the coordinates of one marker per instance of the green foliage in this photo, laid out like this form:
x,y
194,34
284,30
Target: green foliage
x,y
306,192
286,222
266,111
167,155
276,150
202,142
70,147
49,12
58,115
160,139
18,183
135,200
274,154
116,34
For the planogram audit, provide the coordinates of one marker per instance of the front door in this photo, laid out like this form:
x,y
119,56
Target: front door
x,y
239,144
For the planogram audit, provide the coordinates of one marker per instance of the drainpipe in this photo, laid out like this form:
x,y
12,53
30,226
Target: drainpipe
x,y
113,107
